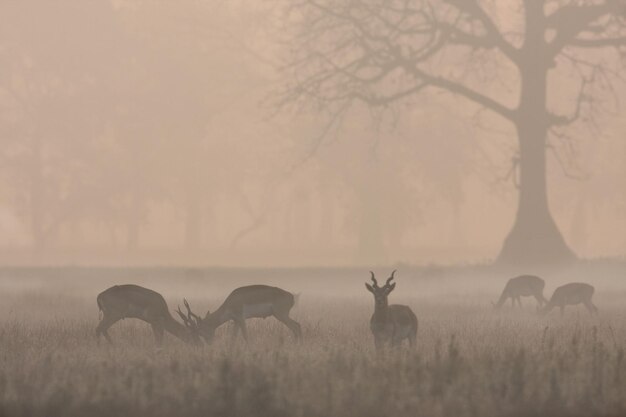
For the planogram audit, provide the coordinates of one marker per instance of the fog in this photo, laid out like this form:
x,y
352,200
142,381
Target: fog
x,y
312,208
152,133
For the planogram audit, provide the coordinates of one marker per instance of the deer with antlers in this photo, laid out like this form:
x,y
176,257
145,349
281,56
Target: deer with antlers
x,y
132,301
252,301
390,323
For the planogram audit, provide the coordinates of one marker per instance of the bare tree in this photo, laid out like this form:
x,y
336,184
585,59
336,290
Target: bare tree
x,y
382,52
50,109
199,53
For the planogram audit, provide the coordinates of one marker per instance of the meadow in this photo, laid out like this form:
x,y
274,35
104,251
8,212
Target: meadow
x,y
469,359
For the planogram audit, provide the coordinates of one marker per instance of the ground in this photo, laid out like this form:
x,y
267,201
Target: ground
x,y
469,361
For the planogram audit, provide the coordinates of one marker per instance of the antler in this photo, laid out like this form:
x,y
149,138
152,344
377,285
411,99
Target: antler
x,y
374,280
190,314
187,322
191,320
390,278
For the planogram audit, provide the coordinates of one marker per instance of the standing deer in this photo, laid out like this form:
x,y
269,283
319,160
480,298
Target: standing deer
x,y
571,294
522,286
390,323
132,301
253,301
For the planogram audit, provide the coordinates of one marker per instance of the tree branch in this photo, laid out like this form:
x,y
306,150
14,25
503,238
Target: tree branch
x,y
569,21
466,92
493,36
599,42
580,99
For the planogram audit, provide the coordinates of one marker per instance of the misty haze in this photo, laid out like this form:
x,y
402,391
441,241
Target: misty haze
x,y
312,208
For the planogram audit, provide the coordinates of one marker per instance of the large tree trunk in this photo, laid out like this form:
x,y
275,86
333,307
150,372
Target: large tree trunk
x,y
535,238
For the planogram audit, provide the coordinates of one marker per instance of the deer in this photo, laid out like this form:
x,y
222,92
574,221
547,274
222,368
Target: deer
x,y
522,286
252,301
132,301
390,324
571,294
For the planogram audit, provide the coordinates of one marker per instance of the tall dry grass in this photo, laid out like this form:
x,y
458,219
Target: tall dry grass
x,y
470,360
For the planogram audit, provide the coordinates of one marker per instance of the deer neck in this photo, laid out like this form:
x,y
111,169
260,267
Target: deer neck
x,y
177,329
502,298
381,311
219,317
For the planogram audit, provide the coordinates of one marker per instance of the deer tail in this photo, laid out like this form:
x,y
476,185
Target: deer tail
x,y
296,299
100,309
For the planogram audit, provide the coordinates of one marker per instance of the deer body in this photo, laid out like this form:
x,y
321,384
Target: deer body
x,y
390,324
253,301
523,286
572,294
132,301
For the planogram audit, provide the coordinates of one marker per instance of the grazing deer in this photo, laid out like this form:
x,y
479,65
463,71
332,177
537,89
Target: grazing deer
x,y
390,323
253,301
132,301
522,286
571,294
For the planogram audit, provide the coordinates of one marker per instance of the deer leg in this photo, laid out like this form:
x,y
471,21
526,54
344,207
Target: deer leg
x,y
158,331
378,344
413,336
396,337
562,309
513,302
235,331
241,324
293,325
104,325
397,340
412,339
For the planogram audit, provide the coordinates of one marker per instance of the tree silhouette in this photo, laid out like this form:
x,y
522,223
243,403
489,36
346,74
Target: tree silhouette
x,y
51,107
383,52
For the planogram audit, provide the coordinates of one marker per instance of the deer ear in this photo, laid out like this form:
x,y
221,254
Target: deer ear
x,y
391,287
369,287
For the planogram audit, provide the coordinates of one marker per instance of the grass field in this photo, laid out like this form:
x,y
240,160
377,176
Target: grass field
x,y
470,360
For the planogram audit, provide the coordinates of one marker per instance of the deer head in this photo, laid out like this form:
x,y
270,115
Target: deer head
x,y
203,327
381,293
192,322
208,326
